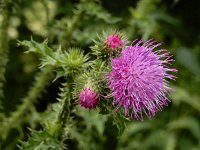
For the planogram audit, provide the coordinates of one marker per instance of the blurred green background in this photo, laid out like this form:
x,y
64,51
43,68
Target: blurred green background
x,y
175,23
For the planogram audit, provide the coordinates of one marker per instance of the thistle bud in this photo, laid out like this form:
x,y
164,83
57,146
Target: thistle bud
x,y
88,98
114,42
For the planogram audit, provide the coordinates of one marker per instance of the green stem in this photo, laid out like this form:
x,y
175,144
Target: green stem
x,y
43,79
66,108
3,45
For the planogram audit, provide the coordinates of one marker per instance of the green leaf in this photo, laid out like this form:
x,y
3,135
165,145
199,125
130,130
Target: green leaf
x,y
42,140
181,95
93,9
47,60
93,119
156,139
41,48
59,73
71,62
186,57
171,142
189,123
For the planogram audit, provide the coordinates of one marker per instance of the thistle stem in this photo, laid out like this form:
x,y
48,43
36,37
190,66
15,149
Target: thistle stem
x,y
3,45
66,107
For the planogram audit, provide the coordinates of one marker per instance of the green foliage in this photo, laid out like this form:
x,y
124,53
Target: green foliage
x,y
182,96
42,140
95,123
42,80
3,44
38,22
146,17
190,60
69,62
94,9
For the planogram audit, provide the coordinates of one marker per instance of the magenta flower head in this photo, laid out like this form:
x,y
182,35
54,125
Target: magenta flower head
x,y
139,80
113,42
88,98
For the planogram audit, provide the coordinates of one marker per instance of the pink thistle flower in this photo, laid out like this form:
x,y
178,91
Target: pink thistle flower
x,y
139,79
113,42
88,98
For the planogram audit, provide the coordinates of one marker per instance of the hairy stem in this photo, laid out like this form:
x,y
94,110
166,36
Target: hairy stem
x,y
67,105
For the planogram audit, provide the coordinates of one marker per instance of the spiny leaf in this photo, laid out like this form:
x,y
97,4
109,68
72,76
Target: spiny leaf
x,y
71,62
42,140
41,48
93,9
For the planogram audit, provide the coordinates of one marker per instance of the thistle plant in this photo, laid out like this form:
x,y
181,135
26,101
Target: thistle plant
x,y
97,75
135,80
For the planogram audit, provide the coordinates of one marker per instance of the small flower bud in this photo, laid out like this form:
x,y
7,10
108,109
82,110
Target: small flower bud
x,y
113,42
88,98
